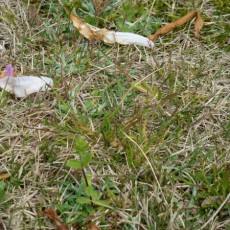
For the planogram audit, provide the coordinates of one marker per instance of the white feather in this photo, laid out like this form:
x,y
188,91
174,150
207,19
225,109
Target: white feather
x,y
25,85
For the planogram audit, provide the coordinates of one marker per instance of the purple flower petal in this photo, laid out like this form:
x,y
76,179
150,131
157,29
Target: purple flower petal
x,y
9,70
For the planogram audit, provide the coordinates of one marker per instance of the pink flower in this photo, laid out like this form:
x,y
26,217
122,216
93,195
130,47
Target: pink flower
x,y
9,70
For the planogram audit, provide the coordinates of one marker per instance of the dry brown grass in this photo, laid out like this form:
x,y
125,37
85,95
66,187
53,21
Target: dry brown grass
x,y
173,117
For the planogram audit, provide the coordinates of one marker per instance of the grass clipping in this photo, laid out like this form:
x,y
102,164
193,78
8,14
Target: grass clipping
x,y
111,37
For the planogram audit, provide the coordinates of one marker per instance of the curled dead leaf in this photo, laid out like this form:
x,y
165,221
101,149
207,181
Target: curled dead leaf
x,y
111,37
50,213
23,86
169,27
107,36
92,226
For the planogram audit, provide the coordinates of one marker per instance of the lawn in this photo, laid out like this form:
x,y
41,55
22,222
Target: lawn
x,y
129,137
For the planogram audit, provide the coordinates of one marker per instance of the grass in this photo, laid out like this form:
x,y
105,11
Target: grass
x,y
156,122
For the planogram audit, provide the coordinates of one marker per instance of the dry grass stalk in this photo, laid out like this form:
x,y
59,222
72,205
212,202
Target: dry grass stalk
x,y
36,134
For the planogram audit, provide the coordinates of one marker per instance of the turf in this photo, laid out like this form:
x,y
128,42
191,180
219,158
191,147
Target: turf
x,y
149,127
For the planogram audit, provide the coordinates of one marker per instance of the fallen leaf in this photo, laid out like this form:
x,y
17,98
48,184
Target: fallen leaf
x,y
169,27
4,176
107,36
111,37
92,226
23,86
49,212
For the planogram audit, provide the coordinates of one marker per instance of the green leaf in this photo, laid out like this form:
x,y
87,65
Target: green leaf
x,y
81,145
85,159
49,61
103,203
2,188
89,180
83,200
90,191
74,164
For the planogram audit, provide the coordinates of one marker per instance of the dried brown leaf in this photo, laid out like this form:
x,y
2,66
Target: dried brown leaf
x,y
198,25
92,226
111,37
88,31
4,176
169,27
49,212
107,36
